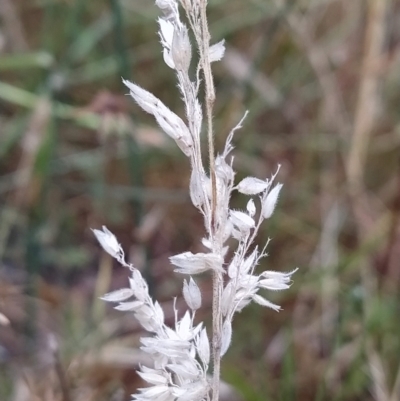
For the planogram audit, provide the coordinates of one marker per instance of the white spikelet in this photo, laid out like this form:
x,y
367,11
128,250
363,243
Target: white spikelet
x,y
252,186
251,208
197,193
108,242
118,295
169,8
181,50
241,220
189,263
171,124
192,294
269,201
217,51
203,347
226,336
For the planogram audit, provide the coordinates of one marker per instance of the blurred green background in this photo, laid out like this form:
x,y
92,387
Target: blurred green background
x,y
321,81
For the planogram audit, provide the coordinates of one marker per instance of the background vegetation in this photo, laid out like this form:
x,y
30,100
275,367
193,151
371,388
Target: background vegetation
x,y
321,80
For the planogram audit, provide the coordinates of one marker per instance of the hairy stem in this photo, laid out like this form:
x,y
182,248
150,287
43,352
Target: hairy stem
x,y
217,279
210,99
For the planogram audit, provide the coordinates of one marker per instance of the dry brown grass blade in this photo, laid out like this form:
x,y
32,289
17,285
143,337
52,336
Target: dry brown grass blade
x,y
368,96
30,146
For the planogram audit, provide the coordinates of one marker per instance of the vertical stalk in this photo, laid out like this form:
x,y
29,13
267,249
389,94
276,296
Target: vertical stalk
x,y
217,279
210,99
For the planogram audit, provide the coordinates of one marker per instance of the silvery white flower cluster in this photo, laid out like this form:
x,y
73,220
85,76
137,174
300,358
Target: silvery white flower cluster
x,y
182,355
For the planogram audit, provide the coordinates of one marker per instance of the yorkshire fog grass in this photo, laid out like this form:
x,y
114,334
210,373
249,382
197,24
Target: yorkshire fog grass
x,y
182,354
320,81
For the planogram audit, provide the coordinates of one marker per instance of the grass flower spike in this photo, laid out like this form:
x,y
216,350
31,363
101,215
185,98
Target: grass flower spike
x,y
182,355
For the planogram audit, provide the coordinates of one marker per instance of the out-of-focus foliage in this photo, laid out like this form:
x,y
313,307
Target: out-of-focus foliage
x,y
320,79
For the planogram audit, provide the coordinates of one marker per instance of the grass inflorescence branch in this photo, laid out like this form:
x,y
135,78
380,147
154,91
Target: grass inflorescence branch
x,y
182,355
